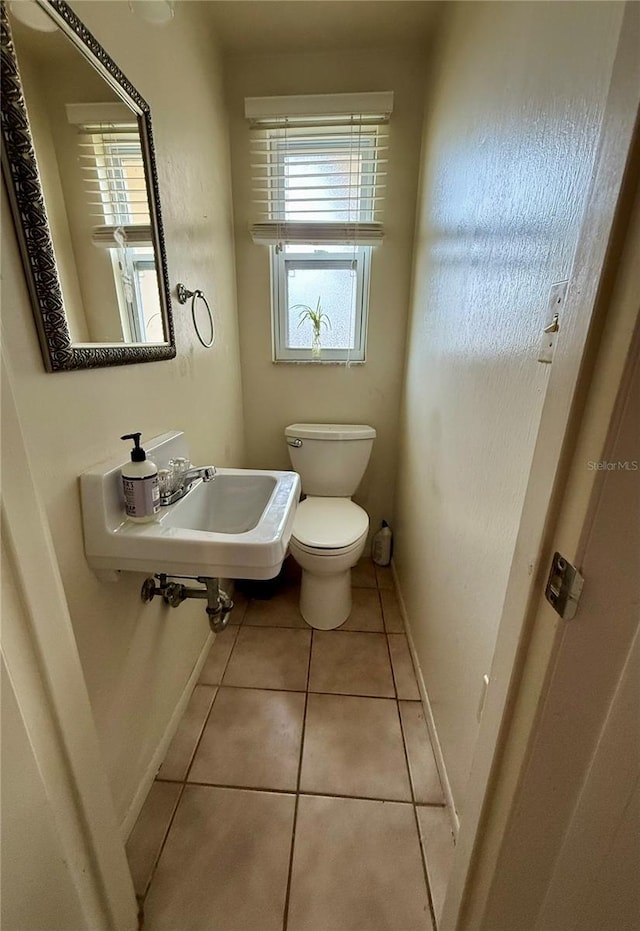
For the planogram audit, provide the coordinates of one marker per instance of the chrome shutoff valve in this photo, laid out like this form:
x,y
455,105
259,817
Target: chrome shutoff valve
x,y
219,604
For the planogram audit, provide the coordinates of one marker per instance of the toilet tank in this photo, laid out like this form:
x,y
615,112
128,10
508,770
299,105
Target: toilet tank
x,y
329,457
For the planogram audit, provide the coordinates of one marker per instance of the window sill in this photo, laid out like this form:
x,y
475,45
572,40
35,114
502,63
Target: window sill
x,y
334,362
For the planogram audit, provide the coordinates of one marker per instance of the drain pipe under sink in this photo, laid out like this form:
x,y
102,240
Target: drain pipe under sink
x,y
219,604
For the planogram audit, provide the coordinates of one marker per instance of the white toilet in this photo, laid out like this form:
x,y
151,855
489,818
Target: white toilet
x,y
330,530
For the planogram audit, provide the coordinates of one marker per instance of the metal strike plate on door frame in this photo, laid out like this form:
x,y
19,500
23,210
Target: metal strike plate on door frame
x,y
564,587
555,304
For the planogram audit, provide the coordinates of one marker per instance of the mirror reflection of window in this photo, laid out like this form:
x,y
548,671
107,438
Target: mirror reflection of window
x,y
113,178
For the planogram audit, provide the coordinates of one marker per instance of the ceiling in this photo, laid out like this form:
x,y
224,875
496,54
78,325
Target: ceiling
x,y
319,25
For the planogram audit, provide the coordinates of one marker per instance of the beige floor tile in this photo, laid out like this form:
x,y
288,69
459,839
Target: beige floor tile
x,y
280,611
357,867
216,662
422,762
366,613
353,746
403,672
437,840
145,841
269,659
364,575
225,863
350,663
384,578
393,622
240,602
252,738
181,749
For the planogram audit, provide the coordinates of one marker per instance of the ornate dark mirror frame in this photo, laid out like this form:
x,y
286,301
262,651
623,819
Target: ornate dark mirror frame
x,y
25,192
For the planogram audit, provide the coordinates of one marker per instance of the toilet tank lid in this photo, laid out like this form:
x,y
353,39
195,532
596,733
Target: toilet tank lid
x,y
330,431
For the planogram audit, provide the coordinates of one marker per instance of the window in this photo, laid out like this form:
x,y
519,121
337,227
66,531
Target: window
x,y
339,278
318,182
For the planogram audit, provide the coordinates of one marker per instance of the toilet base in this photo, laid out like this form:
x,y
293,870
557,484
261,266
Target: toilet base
x,y
325,600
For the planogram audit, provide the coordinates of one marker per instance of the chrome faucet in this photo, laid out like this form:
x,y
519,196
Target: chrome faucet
x,y
169,495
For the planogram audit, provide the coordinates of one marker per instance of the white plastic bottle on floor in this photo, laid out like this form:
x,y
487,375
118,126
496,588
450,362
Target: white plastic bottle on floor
x,y
381,546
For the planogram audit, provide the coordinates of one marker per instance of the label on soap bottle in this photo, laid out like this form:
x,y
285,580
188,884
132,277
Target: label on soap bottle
x,y
141,495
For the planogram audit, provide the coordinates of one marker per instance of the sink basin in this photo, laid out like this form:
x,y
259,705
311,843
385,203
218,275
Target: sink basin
x,y
237,526
233,502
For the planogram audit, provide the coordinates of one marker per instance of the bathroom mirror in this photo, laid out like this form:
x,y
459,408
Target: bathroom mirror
x,y
79,165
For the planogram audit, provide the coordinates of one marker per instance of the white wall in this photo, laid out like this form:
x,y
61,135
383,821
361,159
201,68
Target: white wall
x,y
278,394
137,659
508,148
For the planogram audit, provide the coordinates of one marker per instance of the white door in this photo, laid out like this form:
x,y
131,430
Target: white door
x,y
60,816
592,711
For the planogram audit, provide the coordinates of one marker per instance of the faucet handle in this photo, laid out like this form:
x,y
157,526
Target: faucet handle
x,y
166,481
180,465
178,468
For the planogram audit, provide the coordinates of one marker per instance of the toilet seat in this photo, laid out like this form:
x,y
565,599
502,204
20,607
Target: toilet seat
x,y
333,525
297,547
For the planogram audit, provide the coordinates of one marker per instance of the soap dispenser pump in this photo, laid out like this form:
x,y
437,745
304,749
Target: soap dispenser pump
x,y
140,483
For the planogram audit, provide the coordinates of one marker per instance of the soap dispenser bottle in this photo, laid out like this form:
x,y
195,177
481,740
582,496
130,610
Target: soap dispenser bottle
x,y
140,483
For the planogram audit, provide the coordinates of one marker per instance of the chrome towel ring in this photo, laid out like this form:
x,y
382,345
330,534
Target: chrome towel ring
x,y
183,296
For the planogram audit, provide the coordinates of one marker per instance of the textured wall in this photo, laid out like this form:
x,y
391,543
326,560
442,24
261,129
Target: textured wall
x,y
279,394
137,659
509,143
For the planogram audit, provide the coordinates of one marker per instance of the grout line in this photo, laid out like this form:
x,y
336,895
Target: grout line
x,y
393,668
208,715
270,688
423,856
393,672
411,789
428,713
183,781
341,629
152,873
200,736
285,917
262,688
384,623
310,793
224,669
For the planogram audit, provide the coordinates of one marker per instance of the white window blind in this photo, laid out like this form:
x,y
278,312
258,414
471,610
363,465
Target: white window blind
x,y
113,174
318,167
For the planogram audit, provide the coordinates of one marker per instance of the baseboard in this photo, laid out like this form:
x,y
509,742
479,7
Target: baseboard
x,y
428,713
146,782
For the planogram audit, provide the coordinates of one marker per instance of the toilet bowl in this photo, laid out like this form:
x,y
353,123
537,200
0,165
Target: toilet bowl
x,y
330,530
328,539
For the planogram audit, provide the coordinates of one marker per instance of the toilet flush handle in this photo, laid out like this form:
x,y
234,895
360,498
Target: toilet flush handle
x,y
297,442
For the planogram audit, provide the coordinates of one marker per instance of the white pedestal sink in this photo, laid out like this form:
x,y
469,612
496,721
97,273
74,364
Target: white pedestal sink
x,y
237,526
